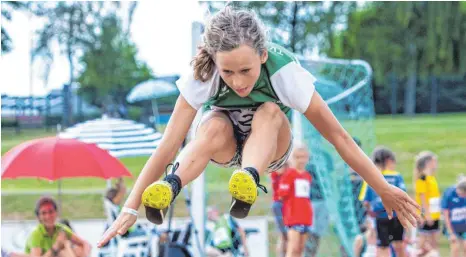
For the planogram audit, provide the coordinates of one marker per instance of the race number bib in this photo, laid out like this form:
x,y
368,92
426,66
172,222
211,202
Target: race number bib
x,y
220,236
458,214
302,188
434,204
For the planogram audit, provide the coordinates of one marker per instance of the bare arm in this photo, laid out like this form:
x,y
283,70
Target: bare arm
x,y
174,135
176,131
81,242
425,205
357,247
244,241
446,215
320,115
36,252
393,198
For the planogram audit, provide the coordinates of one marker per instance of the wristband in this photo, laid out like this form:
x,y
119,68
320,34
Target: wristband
x,y
130,211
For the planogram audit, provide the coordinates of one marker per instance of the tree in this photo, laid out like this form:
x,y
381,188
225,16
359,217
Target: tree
x,y
7,8
111,67
410,39
299,26
72,24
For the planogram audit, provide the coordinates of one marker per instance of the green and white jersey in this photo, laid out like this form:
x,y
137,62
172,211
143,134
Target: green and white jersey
x,y
282,80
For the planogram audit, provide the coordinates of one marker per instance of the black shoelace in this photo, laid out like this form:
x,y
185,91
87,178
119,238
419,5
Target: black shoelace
x,y
174,168
256,177
173,179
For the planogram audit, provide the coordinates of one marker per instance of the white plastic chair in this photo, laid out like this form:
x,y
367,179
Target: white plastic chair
x,y
133,247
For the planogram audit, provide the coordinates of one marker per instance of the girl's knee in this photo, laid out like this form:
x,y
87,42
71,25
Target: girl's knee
x,y
216,129
270,112
294,248
269,107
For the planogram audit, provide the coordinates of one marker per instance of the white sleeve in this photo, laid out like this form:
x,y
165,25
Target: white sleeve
x,y
294,86
194,91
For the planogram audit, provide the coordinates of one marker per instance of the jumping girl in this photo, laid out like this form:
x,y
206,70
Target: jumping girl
x,y
246,88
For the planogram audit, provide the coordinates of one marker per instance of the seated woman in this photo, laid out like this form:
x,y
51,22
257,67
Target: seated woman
x,y
50,238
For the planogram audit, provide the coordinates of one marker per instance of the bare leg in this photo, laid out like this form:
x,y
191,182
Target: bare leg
x,y
263,146
302,243
434,239
423,242
281,245
463,242
79,251
455,248
383,251
214,140
67,250
260,149
399,248
294,241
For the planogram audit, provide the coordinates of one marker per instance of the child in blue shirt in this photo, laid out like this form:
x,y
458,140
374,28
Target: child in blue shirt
x,y
454,213
389,231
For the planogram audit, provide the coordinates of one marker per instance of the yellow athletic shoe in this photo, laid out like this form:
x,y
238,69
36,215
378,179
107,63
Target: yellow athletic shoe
x,y
243,188
156,199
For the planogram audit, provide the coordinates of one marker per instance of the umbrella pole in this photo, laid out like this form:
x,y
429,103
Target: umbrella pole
x,y
155,111
59,196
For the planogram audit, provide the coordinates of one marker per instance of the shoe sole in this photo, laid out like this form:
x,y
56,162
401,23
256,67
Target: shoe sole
x,y
156,199
243,189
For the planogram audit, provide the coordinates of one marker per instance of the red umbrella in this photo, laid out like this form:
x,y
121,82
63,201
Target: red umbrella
x,y
55,158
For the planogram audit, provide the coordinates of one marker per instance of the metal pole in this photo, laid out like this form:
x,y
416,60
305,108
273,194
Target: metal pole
x,y
433,96
59,197
170,217
198,185
155,112
194,227
31,71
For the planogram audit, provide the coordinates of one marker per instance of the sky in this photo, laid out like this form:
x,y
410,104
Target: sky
x,y
160,29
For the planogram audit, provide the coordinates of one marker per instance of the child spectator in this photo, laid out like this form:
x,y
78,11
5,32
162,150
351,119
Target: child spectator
x,y
389,231
454,213
294,189
428,197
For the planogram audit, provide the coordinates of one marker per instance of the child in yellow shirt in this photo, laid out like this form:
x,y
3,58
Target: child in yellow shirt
x,y
428,196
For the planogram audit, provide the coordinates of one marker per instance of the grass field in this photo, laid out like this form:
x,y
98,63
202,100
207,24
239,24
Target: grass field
x,y
443,134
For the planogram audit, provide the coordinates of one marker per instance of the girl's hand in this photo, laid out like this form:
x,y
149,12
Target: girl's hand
x,y
120,226
452,238
429,220
407,210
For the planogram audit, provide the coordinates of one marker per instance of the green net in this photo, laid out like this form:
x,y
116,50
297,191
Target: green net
x,y
346,87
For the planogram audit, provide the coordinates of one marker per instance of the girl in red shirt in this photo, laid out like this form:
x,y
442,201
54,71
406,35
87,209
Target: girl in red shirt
x,y
294,190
